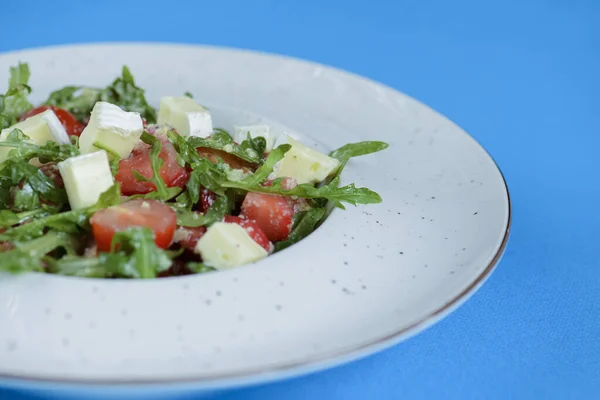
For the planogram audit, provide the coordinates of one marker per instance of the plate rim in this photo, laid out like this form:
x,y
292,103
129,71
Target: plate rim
x,y
293,368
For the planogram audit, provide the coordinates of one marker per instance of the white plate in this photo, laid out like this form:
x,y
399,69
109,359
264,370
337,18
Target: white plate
x,y
368,278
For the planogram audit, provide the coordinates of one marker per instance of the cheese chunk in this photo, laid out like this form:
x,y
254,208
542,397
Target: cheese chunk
x,y
186,116
112,128
86,177
305,164
241,133
227,245
41,128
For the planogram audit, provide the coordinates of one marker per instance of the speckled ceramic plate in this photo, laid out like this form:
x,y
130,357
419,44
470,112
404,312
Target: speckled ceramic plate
x,y
369,277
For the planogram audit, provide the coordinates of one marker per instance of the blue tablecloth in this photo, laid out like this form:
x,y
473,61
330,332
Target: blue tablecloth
x,y
523,77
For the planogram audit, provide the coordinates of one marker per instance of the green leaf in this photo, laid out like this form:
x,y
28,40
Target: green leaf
x,y
15,171
114,157
110,197
199,268
304,224
10,218
348,194
222,206
251,150
124,93
25,198
14,102
78,100
145,257
204,173
350,150
24,150
28,255
106,265
69,221
19,76
263,172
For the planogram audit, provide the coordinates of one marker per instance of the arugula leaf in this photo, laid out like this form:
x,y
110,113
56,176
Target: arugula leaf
x,y
25,198
106,265
10,218
204,173
145,258
199,268
250,150
110,197
137,257
357,149
69,221
222,206
78,100
14,102
350,150
19,76
28,255
23,149
348,194
114,158
14,171
305,223
263,172
124,93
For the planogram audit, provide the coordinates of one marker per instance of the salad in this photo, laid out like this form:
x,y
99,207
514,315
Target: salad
x,y
96,183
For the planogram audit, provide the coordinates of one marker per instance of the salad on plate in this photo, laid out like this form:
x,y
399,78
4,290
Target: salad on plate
x,y
96,183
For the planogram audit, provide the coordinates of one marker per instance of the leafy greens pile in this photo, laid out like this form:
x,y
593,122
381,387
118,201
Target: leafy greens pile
x,y
39,232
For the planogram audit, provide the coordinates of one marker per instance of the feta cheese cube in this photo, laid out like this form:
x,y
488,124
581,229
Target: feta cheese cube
x,y
305,164
186,116
112,128
226,245
86,177
241,133
41,128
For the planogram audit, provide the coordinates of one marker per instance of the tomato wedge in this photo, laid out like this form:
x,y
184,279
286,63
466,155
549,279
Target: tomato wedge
x,y
136,213
171,172
188,237
72,126
207,198
273,214
253,230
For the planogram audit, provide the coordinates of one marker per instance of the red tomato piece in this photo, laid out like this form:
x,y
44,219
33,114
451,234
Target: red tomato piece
x,y
171,172
136,213
207,198
273,214
188,237
252,229
72,126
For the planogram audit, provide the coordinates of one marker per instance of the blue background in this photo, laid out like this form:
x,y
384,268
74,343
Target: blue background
x,y
523,77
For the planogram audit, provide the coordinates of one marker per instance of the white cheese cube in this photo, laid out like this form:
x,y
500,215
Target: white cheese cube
x,y
305,164
86,177
241,133
226,245
112,128
41,128
186,116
